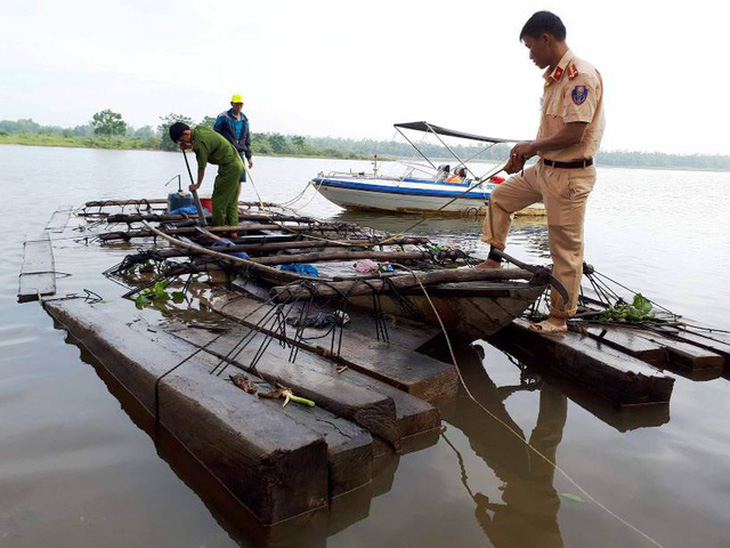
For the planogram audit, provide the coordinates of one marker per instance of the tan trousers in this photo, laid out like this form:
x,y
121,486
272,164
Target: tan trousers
x,y
564,192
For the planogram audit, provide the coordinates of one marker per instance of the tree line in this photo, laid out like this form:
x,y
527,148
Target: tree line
x,y
107,129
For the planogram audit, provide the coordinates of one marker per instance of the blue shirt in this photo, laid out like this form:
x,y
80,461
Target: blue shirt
x,y
238,127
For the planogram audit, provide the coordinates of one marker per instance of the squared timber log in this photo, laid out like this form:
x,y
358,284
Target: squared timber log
x,y
620,378
349,446
275,466
405,369
413,415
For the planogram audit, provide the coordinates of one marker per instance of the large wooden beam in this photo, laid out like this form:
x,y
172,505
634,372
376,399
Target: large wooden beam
x,y
629,342
400,282
405,369
343,255
274,465
349,446
684,353
413,415
597,367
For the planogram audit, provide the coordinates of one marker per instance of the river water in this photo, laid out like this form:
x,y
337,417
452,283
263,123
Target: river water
x,y
78,469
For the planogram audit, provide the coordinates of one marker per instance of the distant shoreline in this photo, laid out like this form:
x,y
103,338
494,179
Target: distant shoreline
x,y
112,143
609,159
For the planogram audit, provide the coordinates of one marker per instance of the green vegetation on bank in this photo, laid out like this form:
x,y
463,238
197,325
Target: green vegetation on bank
x,y
108,130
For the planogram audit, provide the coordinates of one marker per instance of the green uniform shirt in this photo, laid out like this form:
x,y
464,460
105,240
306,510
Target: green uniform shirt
x,y
212,148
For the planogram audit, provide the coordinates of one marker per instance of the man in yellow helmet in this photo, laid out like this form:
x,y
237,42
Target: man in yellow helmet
x,y
233,125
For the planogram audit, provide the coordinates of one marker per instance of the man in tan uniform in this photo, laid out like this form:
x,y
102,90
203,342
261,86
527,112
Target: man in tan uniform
x,y
570,132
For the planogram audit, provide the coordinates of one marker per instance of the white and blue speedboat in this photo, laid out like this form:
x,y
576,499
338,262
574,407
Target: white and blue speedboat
x,y
423,188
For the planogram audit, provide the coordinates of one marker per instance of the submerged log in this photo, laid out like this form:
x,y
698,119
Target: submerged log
x,y
686,354
349,447
620,378
400,283
275,466
37,275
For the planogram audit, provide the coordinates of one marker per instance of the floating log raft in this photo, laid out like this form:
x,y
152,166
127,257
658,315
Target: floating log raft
x,y
274,465
37,275
413,416
414,373
622,379
349,447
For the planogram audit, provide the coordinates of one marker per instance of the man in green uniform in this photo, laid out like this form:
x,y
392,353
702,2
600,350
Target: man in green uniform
x,y
211,147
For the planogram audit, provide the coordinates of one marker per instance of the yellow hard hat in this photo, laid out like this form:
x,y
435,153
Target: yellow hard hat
x,y
236,99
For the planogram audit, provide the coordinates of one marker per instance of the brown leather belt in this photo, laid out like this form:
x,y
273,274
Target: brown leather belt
x,y
569,165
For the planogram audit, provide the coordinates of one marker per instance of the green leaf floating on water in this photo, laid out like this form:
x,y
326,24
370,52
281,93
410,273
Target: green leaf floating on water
x,y
571,496
141,301
178,297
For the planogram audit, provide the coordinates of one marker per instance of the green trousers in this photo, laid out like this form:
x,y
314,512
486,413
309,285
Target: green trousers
x,y
226,190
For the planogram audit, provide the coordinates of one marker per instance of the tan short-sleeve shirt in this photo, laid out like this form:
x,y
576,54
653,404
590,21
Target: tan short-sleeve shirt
x,y
573,93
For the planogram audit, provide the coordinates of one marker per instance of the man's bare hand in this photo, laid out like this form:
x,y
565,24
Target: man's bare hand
x,y
519,154
250,163
194,188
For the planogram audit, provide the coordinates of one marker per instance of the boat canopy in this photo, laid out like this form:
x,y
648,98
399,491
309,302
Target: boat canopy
x,y
430,128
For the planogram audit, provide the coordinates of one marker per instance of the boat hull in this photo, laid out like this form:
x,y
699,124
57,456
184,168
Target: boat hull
x,y
411,196
474,309
403,196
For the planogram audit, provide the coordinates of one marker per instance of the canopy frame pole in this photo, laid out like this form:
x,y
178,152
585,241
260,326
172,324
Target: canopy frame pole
x,y
461,162
417,149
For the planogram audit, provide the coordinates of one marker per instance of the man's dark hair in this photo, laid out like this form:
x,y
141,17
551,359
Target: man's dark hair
x,y
543,22
176,130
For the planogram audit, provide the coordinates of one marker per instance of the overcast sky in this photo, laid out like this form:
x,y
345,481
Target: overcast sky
x,y
352,69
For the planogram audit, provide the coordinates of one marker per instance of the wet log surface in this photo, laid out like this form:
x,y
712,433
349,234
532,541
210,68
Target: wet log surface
x,y
597,367
629,342
37,275
686,354
412,415
717,342
369,409
410,371
274,465
324,256
401,283
349,446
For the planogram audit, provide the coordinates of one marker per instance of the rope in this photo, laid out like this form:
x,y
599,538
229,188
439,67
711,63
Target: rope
x,y
250,178
517,434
